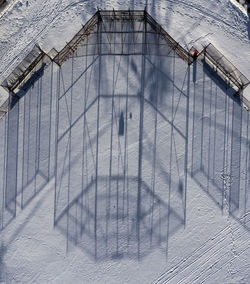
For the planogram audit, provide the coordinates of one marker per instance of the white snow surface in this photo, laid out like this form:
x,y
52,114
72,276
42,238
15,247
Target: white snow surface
x,y
201,238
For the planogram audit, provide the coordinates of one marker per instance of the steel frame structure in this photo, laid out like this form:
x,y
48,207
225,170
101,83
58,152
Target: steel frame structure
x,y
130,43
110,17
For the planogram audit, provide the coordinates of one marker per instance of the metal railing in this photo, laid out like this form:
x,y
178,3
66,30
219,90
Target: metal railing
x,y
114,22
223,67
35,60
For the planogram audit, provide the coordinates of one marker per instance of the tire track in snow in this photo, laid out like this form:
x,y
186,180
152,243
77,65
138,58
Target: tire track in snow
x,y
217,258
57,11
200,9
7,69
243,246
198,254
230,28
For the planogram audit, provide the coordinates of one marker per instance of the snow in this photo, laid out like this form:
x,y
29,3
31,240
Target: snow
x,y
70,185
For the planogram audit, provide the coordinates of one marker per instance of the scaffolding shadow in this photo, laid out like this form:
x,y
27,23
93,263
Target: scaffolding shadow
x,y
27,144
114,230
118,150
220,141
110,150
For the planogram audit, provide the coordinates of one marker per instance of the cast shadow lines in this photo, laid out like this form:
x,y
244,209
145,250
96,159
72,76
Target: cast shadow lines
x,y
102,204
220,141
27,144
115,233
99,178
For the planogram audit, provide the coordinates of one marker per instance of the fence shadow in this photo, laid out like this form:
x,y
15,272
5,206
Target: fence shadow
x,y
27,144
114,229
120,176
220,141
114,131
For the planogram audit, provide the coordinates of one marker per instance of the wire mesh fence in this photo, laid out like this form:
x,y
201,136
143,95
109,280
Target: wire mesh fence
x,y
122,32
71,47
31,65
223,67
113,32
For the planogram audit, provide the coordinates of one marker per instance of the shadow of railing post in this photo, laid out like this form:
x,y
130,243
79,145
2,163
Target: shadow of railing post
x,y
11,157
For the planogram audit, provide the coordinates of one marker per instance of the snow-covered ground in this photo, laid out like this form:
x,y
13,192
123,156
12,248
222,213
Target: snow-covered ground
x,y
167,201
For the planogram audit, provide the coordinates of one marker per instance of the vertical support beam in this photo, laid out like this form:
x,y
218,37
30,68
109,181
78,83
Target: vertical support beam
x,y
145,33
12,156
4,170
186,145
171,151
224,153
99,30
70,142
111,125
141,135
194,65
202,121
235,157
38,130
153,203
83,137
56,140
23,138
125,170
50,117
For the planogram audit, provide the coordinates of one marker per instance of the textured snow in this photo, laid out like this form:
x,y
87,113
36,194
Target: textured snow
x,y
202,235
